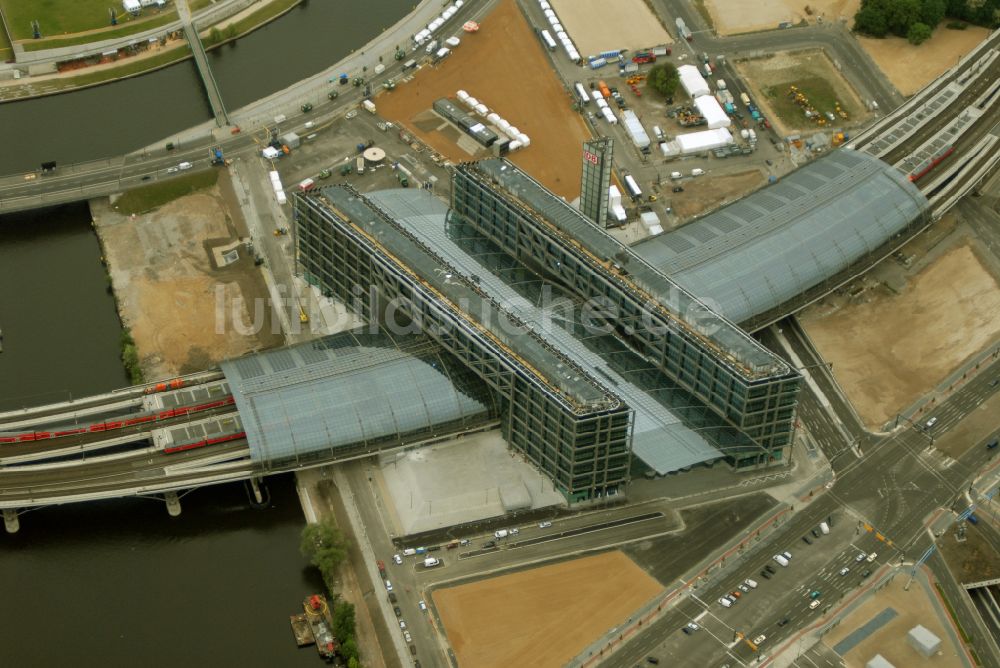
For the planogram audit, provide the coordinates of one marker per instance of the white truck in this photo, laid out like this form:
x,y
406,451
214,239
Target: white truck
x,y
369,106
431,562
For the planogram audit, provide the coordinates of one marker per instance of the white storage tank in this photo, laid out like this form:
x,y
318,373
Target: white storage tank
x,y
462,95
514,145
493,117
471,102
514,131
482,109
504,125
544,5
548,13
524,139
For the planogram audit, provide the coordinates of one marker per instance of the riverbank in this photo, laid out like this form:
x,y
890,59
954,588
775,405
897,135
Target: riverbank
x,y
164,53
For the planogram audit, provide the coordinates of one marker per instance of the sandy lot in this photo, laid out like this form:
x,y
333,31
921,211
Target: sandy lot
x,y
895,56
892,349
972,560
599,25
167,284
544,616
702,195
912,607
783,69
738,16
504,66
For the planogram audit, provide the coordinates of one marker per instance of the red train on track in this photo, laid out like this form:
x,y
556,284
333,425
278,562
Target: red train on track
x,y
930,163
117,424
203,442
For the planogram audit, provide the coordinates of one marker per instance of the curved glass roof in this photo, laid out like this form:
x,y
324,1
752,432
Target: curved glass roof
x,y
759,252
350,392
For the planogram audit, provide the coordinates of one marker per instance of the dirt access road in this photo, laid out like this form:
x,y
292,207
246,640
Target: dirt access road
x,y
505,68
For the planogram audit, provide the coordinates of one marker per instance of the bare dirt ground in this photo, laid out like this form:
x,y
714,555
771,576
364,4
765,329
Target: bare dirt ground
x,y
599,25
785,68
973,560
732,17
168,285
504,66
543,616
912,607
896,57
707,194
893,348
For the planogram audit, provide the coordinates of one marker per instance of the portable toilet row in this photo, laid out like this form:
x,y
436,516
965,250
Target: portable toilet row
x,y
559,31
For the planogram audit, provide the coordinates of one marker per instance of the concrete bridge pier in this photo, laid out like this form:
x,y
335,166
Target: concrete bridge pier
x,y
257,493
173,503
10,520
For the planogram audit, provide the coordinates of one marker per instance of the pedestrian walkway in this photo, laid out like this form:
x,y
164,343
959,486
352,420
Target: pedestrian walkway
x,y
201,61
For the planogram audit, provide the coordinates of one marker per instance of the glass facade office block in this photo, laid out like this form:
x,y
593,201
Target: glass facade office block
x,y
739,380
563,422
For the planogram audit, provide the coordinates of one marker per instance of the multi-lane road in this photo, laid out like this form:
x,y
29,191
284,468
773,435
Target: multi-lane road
x,y
895,487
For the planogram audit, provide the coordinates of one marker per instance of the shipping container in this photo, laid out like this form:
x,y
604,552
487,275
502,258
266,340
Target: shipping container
x,y
550,43
633,187
360,164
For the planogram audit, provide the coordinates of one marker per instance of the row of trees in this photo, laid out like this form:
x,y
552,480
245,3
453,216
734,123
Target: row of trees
x,y
916,19
912,19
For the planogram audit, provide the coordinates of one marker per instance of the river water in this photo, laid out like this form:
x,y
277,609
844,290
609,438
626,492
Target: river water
x,y
124,116
120,583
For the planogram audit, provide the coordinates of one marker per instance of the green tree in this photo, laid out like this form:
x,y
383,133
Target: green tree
x,y
325,547
353,663
343,620
663,79
214,36
901,14
349,650
932,12
231,31
918,33
870,20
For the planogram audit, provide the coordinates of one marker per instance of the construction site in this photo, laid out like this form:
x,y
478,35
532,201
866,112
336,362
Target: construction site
x,y
504,67
542,616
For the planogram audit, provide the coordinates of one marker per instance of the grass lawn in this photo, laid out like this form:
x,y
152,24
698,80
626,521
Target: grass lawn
x,y
121,30
6,53
147,198
820,93
59,17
